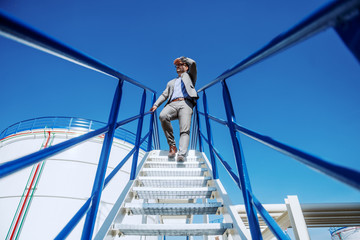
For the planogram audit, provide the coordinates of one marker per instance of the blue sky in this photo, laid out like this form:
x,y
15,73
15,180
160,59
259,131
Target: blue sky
x,y
307,96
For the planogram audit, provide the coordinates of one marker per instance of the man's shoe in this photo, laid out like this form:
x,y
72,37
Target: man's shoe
x,y
180,158
172,151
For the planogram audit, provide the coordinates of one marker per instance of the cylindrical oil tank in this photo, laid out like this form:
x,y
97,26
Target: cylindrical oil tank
x,y
38,201
345,233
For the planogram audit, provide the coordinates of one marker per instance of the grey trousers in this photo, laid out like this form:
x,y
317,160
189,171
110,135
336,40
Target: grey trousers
x,y
181,110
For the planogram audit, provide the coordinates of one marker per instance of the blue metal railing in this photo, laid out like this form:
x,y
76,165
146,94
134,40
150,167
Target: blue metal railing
x,y
324,18
320,20
20,32
69,123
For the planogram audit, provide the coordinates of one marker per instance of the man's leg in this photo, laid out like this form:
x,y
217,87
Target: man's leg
x,y
184,116
166,115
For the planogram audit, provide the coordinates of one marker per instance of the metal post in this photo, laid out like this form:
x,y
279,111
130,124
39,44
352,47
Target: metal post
x,y
156,128
101,170
138,137
151,127
208,128
193,133
241,165
198,129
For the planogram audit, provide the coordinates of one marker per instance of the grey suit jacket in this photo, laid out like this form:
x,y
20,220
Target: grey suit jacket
x,y
189,80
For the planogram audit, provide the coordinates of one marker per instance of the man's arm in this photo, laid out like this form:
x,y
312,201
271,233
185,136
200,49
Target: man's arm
x,y
192,68
162,98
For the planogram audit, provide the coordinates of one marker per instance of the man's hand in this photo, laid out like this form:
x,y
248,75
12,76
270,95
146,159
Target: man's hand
x,y
153,108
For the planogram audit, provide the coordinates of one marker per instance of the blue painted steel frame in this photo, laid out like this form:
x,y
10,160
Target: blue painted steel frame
x,y
138,136
316,22
320,20
151,127
103,162
241,165
20,32
323,18
208,130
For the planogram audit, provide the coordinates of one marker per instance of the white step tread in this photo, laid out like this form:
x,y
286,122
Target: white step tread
x,y
153,164
198,229
167,159
180,181
173,193
172,208
173,171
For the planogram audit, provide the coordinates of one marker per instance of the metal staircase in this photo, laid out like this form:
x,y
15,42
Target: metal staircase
x,y
172,193
163,197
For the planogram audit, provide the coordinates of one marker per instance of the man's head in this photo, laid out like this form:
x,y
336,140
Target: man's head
x,y
180,66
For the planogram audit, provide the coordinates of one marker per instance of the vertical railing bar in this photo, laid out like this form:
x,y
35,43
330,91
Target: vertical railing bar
x,y
70,123
241,165
54,120
157,131
208,128
193,132
17,129
138,136
103,161
32,127
90,125
199,129
151,127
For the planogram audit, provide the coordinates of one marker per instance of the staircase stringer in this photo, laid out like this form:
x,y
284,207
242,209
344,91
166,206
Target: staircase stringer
x,y
118,212
229,212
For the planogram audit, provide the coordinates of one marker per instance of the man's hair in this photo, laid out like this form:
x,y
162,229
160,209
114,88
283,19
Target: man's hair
x,y
178,61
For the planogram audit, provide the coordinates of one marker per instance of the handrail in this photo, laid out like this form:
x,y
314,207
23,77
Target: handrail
x,y
69,123
17,31
318,21
323,18
343,174
28,160
14,29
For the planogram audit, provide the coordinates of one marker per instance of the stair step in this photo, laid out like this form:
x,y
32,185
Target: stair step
x,y
173,193
172,208
199,229
173,181
153,164
173,171
167,159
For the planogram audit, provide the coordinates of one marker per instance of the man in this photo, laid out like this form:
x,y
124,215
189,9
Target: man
x,y
181,95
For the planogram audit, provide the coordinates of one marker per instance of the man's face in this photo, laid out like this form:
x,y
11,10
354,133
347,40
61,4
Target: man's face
x,y
181,68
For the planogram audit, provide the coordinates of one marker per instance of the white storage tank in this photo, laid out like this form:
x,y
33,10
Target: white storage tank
x,y
37,202
345,233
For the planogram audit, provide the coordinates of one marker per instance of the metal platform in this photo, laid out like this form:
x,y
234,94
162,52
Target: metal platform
x,y
177,182
172,208
172,229
173,193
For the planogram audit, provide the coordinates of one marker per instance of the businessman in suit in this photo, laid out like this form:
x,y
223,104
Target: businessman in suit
x,y
181,97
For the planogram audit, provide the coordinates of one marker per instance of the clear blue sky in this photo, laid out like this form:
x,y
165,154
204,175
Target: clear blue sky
x,y
307,96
